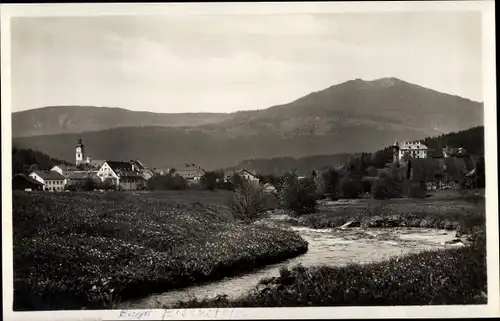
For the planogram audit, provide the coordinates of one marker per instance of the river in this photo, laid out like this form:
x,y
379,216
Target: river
x,y
333,247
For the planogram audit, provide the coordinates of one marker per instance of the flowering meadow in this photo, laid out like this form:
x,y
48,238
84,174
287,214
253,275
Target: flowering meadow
x,y
91,250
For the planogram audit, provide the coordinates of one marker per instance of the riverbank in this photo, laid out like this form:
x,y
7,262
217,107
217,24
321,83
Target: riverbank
x,y
465,215
93,250
453,276
445,276
328,247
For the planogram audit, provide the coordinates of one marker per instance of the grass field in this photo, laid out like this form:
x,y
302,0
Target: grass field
x,y
448,211
76,250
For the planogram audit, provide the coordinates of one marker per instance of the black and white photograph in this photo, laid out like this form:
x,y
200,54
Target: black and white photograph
x,y
193,160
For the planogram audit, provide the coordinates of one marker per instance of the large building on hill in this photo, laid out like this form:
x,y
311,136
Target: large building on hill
x,y
406,150
454,167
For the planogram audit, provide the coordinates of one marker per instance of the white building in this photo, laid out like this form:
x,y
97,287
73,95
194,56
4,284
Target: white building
x,y
269,188
193,173
124,175
249,176
64,170
409,149
51,180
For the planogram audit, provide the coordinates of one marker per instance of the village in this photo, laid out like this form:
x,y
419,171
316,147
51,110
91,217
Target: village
x,y
120,175
410,162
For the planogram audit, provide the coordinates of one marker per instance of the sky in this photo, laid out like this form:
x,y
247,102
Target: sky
x,y
226,63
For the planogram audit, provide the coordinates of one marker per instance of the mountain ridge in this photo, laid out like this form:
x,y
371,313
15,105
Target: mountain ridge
x,y
345,118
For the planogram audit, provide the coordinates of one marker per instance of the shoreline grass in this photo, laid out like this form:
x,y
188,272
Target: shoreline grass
x,y
91,250
451,276
452,214
443,277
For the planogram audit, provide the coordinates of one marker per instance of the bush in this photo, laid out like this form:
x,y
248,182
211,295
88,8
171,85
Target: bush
x,y
329,180
299,196
416,189
209,180
386,186
88,185
167,182
350,187
381,189
247,203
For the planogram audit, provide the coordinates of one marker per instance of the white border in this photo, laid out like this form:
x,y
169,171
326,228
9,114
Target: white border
x,y
487,9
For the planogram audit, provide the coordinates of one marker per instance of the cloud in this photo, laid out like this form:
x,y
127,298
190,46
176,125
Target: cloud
x,y
224,62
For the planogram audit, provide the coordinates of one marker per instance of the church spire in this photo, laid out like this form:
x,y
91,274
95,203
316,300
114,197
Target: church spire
x,y
80,154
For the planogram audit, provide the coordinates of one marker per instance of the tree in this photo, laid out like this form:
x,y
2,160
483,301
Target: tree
x,y
88,184
107,184
167,182
247,202
330,180
350,187
297,195
237,181
209,180
480,173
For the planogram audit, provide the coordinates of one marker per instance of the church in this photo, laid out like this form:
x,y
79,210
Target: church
x,y
122,175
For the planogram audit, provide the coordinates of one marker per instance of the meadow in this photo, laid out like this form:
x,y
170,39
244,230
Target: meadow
x,y
91,250
442,210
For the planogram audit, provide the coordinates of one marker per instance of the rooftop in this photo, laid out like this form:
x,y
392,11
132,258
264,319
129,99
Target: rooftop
x,y
49,175
27,178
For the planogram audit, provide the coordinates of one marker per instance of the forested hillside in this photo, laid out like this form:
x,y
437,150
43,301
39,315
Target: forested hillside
x,y
27,160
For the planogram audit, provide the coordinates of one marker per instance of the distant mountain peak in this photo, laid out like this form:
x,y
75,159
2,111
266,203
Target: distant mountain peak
x,y
359,83
385,82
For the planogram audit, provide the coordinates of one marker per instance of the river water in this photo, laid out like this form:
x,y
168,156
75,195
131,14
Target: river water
x,y
334,247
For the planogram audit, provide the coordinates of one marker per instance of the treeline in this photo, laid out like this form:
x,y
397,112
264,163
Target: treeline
x,y
302,166
472,140
212,180
299,195
25,161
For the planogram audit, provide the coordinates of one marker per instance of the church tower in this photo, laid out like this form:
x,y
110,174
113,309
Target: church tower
x,y
79,152
395,152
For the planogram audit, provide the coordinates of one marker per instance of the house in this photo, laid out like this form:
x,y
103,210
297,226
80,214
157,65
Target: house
x,y
409,150
269,188
21,182
250,176
190,173
121,174
147,173
64,170
161,171
51,180
95,163
78,178
451,152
